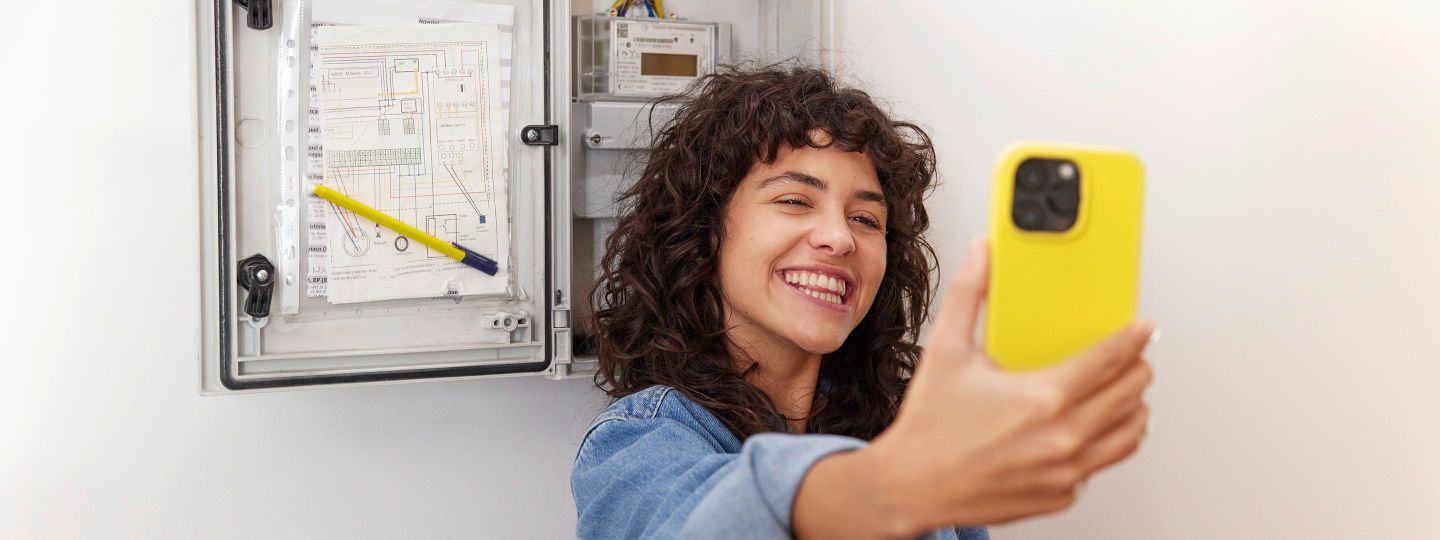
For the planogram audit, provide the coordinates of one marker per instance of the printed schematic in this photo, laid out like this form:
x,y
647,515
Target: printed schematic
x,y
410,120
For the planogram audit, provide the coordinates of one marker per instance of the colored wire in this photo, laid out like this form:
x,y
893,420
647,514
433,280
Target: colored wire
x,y
659,8
649,8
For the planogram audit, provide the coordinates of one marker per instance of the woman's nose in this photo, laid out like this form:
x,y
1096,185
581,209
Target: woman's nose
x,y
832,235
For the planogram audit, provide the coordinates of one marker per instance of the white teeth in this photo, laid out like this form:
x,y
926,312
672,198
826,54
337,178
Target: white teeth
x,y
833,287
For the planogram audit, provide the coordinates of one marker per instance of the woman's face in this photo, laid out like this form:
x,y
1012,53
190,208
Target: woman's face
x,y
804,250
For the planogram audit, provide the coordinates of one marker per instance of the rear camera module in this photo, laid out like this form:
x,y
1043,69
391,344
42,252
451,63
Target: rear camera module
x,y
1046,195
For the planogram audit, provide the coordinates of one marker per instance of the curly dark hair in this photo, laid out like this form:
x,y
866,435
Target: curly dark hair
x,y
659,317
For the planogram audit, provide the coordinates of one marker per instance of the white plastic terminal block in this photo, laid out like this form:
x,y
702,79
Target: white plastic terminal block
x,y
504,320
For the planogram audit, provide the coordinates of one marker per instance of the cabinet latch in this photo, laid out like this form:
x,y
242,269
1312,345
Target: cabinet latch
x,y
257,277
540,135
258,14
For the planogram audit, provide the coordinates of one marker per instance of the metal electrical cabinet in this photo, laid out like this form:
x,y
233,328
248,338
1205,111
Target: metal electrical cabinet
x,y
562,142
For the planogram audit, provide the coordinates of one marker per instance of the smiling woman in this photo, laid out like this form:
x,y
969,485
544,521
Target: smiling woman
x,y
762,172
768,267
757,324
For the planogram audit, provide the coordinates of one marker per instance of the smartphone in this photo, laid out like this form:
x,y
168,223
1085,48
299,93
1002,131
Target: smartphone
x,y
1064,251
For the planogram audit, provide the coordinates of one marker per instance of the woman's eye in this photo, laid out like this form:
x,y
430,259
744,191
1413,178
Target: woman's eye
x,y
869,221
795,202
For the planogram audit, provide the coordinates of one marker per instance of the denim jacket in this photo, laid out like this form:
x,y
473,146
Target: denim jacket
x,y
657,465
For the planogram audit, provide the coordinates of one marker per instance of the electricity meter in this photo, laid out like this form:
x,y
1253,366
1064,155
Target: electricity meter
x,y
628,58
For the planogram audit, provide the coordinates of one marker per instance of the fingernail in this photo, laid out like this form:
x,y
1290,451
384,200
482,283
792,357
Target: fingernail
x,y
1154,336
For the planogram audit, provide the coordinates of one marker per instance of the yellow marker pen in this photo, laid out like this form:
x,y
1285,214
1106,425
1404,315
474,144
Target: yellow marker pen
x,y
450,249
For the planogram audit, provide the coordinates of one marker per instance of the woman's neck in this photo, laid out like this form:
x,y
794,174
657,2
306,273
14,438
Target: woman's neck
x,y
787,375
790,387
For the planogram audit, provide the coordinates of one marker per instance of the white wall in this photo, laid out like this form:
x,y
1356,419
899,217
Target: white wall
x,y
1290,258
102,431
1291,245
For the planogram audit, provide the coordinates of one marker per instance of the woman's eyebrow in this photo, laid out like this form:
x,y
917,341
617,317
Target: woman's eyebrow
x,y
802,178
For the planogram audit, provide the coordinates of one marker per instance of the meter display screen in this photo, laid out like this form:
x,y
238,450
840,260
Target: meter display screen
x,y
674,65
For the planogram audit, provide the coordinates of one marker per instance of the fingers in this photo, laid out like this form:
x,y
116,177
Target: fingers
x,y
1082,376
1117,444
1111,404
1063,472
961,306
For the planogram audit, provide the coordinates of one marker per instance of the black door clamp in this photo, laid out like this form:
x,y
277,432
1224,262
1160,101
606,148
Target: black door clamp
x,y
540,135
257,276
258,13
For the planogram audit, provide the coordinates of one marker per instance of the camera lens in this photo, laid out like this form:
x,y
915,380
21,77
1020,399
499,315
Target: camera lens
x,y
1032,176
1063,202
1029,215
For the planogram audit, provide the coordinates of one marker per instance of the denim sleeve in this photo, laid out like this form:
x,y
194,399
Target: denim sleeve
x,y
658,478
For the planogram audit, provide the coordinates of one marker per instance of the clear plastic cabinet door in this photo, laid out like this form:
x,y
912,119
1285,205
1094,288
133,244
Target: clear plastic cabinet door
x,y
438,114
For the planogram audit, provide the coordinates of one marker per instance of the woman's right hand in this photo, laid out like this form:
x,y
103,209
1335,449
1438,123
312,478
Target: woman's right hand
x,y
976,445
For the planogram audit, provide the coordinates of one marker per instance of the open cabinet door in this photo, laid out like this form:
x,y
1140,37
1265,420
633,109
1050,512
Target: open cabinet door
x,y
459,140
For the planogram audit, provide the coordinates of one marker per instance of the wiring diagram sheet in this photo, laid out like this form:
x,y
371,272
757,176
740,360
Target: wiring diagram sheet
x,y
410,120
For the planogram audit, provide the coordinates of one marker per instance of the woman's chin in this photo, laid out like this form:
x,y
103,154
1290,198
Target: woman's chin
x,y
821,344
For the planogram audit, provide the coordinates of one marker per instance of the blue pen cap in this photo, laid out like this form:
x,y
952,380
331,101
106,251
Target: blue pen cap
x,y
478,261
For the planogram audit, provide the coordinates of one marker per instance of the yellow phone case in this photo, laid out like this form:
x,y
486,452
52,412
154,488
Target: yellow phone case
x,y
1053,294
